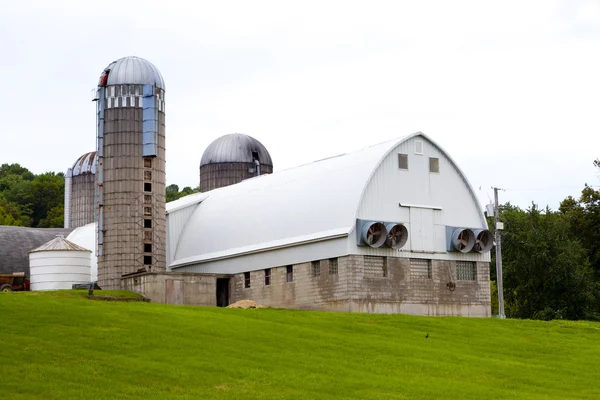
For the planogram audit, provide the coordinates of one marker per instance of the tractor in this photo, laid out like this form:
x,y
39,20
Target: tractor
x,y
15,282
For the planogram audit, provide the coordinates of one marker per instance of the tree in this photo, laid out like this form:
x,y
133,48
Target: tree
x,y
547,272
173,193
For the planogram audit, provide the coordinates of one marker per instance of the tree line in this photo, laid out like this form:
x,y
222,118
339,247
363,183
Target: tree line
x,y
37,201
551,259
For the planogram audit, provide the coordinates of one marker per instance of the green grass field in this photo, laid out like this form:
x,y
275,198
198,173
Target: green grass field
x,y
64,346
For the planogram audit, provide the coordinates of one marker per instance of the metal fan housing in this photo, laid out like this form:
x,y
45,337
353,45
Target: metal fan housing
x,y
483,241
463,240
397,235
373,234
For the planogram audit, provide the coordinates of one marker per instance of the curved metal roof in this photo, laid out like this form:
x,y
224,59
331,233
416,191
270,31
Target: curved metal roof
x,y
16,241
86,164
316,200
235,147
134,70
312,202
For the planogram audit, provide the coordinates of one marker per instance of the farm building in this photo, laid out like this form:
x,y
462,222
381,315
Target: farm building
x,y
16,241
395,227
392,228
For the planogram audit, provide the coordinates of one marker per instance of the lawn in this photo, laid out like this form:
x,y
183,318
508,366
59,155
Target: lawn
x,y
64,346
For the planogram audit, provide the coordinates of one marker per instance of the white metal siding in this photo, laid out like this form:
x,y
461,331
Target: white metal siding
x,y
390,186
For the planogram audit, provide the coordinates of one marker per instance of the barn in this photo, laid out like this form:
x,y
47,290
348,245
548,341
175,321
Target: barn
x,y
393,228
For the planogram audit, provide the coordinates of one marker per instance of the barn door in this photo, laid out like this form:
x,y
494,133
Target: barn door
x,y
426,229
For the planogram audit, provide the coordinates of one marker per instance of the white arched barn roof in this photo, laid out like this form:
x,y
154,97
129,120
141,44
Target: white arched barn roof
x,y
311,204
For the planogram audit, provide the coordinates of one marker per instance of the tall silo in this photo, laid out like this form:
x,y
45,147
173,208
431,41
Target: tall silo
x,y
131,170
80,187
232,158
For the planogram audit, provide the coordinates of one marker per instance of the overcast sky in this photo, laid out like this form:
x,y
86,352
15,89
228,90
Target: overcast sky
x,y
510,89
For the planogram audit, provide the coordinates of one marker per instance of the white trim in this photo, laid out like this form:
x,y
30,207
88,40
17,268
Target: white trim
x,y
275,245
420,206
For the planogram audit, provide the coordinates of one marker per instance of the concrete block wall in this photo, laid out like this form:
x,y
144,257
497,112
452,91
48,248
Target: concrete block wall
x,y
174,288
324,292
358,287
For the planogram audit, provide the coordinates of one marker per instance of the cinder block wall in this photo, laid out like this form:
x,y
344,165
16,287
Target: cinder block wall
x,y
360,286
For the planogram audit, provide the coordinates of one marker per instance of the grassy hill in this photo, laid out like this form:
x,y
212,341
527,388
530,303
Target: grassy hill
x,y
60,346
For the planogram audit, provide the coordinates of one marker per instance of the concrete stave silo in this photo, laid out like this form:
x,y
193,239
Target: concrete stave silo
x,y
80,189
231,159
131,178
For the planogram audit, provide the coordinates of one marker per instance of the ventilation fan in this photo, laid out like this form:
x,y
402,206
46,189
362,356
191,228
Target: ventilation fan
x,y
374,234
483,241
463,240
397,235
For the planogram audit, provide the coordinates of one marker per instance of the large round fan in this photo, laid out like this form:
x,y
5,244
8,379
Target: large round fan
x,y
397,235
374,234
483,241
463,240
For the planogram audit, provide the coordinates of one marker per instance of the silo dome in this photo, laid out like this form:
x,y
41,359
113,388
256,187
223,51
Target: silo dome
x,y
80,185
86,164
131,71
232,158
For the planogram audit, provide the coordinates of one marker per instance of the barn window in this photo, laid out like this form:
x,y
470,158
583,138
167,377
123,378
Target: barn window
x,y
147,223
148,235
147,247
289,273
434,165
267,276
148,175
419,147
333,266
147,163
403,161
246,279
147,260
147,187
316,268
466,271
147,210
147,199
420,269
375,267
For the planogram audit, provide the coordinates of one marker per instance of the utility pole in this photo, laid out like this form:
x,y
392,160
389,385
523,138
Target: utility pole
x,y
498,230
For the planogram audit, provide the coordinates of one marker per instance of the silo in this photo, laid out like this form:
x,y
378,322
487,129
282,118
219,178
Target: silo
x,y
80,186
131,233
59,264
232,158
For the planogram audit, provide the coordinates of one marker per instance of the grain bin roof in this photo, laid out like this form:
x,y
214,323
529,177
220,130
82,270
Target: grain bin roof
x,y
134,70
59,243
235,147
15,243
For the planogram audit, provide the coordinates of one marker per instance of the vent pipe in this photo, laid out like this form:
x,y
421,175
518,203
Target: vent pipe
x,y
257,164
68,196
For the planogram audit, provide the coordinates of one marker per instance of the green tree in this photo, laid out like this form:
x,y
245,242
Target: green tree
x,y
547,274
173,193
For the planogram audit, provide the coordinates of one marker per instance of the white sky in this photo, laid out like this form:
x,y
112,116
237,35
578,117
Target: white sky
x,y
510,89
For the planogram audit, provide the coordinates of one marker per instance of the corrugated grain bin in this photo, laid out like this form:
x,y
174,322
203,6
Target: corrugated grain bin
x,y
58,264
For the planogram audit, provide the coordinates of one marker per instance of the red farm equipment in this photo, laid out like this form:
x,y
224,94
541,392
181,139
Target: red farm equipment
x,y
15,282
